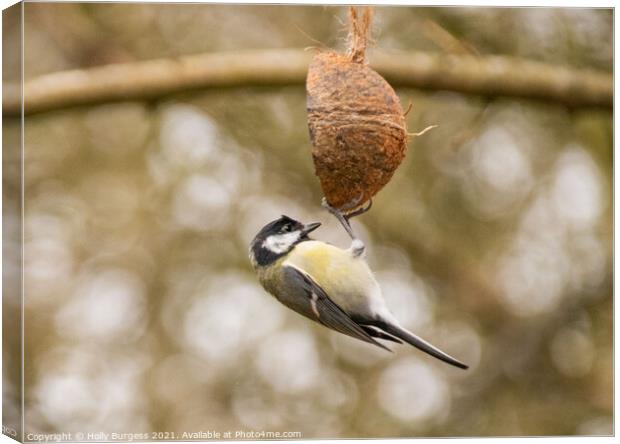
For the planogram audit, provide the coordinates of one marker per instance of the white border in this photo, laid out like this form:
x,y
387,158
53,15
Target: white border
x,y
580,4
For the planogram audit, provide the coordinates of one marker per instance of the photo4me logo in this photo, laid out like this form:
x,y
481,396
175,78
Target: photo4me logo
x,y
238,434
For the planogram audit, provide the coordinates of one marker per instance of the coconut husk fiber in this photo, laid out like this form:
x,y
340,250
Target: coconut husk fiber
x,y
357,127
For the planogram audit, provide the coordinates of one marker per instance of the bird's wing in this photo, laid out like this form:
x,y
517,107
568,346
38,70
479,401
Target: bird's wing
x,y
305,296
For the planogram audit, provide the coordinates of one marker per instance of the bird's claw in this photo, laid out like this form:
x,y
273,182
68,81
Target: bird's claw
x,y
344,218
348,206
359,211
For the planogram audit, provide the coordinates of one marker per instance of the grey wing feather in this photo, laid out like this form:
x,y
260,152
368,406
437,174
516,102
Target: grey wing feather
x,y
305,296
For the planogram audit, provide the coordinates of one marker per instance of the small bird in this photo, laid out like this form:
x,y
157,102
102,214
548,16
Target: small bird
x,y
329,285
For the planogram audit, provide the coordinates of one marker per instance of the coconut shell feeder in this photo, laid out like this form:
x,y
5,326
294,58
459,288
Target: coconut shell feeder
x,y
357,126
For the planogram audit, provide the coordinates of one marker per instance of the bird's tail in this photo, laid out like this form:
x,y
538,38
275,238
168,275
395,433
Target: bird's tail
x,y
419,343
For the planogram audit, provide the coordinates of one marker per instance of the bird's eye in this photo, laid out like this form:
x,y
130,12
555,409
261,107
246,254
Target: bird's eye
x,y
287,228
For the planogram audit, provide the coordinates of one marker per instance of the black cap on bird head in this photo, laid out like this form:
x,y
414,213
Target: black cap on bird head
x,y
277,238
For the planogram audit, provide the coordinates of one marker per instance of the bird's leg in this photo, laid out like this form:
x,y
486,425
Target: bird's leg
x,y
357,246
341,218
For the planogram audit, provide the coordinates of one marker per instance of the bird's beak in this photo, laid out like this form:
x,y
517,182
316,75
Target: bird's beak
x,y
310,227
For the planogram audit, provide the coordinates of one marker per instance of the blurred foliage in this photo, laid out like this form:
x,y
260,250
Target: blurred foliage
x,y
493,240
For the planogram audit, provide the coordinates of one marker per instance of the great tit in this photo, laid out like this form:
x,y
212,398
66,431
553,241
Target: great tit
x,y
329,285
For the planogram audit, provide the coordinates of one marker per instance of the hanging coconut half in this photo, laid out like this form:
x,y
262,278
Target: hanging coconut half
x,y
357,127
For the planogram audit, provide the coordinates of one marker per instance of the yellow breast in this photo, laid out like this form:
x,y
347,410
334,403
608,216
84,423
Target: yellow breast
x,y
345,278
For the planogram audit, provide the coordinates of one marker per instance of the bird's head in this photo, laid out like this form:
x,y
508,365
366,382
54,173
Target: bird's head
x,y
277,238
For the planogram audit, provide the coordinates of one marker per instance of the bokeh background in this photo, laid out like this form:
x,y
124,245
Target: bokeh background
x,y
142,313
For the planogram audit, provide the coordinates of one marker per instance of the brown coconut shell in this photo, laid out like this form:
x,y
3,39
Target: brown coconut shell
x,y
357,128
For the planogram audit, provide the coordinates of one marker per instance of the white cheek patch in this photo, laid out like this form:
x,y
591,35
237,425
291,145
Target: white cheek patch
x,y
281,243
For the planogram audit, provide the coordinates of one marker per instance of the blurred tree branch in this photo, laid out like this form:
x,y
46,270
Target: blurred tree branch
x,y
487,76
